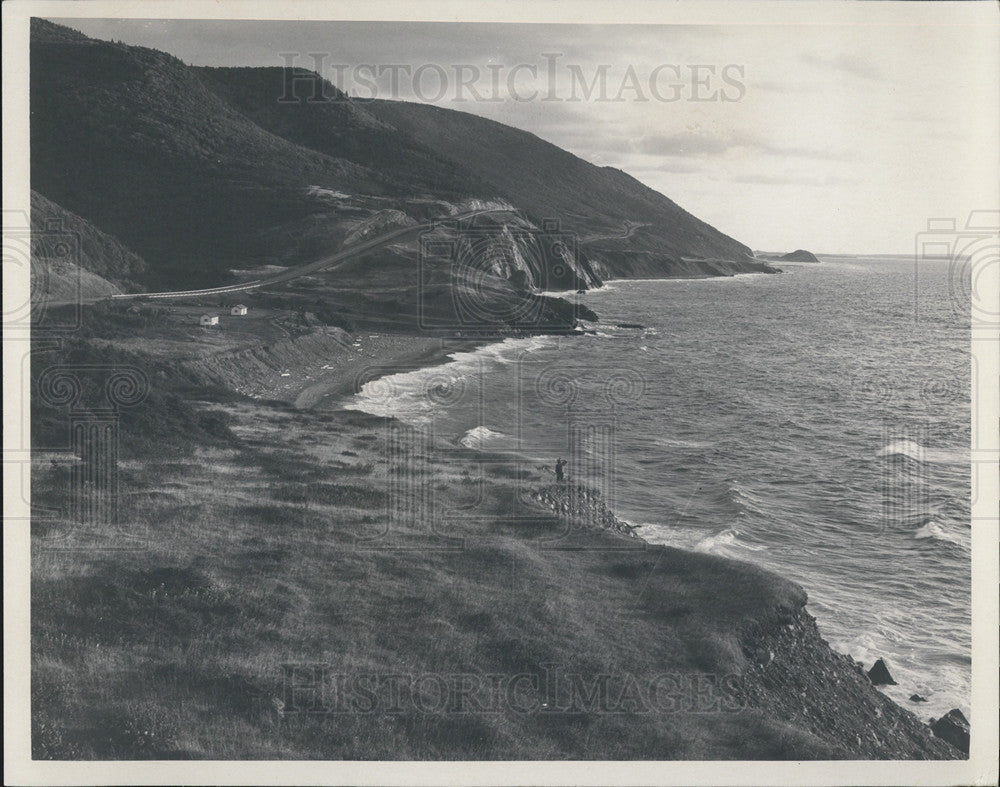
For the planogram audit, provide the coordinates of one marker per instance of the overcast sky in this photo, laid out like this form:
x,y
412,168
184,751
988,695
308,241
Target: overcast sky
x,y
834,139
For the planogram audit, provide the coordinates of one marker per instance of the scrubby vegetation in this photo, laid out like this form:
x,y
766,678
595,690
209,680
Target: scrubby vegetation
x,y
279,584
169,417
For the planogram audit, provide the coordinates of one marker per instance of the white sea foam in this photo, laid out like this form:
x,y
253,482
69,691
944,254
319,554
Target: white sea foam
x,y
726,542
481,436
416,396
909,672
911,449
757,451
694,445
934,530
657,533
908,448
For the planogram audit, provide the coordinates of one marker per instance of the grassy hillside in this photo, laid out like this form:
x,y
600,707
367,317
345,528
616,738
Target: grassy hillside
x,y
257,542
132,140
262,538
104,263
340,128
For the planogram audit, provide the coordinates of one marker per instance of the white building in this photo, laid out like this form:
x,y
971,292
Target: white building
x,y
209,319
239,310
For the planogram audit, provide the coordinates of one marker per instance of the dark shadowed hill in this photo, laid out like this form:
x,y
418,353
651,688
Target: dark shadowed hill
x,y
549,182
132,140
281,101
204,170
95,251
71,258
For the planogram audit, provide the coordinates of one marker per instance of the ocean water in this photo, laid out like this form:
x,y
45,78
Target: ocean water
x,y
814,422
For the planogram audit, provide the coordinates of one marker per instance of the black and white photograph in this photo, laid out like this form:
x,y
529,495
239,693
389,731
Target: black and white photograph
x,y
525,393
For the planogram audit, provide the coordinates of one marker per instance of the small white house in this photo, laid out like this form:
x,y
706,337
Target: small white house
x,y
209,319
239,310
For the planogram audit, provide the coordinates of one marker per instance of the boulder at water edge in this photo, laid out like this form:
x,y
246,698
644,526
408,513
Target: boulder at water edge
x,y
879,674
954,728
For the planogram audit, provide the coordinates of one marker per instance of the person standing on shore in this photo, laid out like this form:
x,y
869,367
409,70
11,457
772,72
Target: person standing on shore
x,y
560,464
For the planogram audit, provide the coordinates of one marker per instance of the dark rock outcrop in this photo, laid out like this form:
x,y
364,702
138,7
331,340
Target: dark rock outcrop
x,y
917,698
581,505
793,672
799,255
879,674
954,728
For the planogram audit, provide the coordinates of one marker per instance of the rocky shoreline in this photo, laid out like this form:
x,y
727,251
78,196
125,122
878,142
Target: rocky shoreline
x,y
268,519
793,672
581,505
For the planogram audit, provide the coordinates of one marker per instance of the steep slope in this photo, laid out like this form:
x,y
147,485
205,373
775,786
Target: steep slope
x,y
549,182
453,153
597,649
461,153
71,259
92,250
131,139
204,170
282,101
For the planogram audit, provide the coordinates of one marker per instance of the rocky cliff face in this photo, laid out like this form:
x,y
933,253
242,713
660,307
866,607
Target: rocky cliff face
x,y
793,672
511,247
599,205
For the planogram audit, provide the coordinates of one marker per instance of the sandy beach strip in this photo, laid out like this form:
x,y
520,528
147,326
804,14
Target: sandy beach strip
x,y
379,355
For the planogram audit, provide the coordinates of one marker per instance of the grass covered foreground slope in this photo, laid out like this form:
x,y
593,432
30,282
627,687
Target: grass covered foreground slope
x,y
262,593
201,170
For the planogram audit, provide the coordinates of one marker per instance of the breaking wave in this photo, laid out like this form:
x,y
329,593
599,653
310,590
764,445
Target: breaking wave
x,y
937,532
908,448
727,542
482,437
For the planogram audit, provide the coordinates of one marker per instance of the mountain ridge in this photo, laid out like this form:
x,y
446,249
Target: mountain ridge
x,y
199,170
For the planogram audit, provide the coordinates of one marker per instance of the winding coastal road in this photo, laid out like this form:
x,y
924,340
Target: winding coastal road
x,y
329,262
628,228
